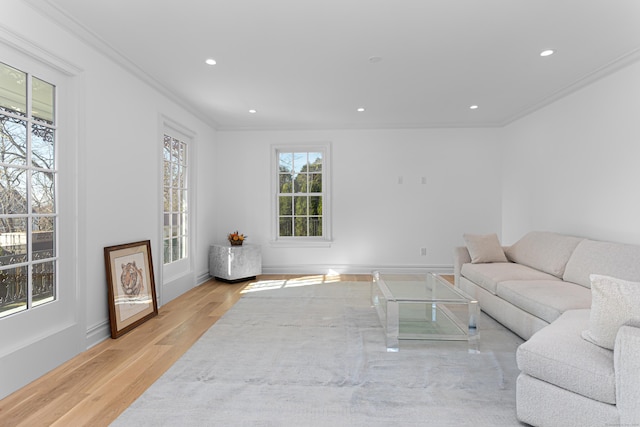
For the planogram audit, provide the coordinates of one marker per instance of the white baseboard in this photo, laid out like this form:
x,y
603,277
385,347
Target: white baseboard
x,y
202,277
353,269
98,333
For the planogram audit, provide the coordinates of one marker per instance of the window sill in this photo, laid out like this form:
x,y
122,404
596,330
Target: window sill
x,y
301,243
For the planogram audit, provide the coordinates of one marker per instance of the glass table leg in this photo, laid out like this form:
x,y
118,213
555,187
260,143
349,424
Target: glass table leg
x,y
393,326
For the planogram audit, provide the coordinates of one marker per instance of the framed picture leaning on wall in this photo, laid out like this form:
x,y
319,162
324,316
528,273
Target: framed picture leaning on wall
x,y
132,290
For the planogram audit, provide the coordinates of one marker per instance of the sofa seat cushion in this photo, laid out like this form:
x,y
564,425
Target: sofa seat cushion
x,y
546,299
558,355
488,276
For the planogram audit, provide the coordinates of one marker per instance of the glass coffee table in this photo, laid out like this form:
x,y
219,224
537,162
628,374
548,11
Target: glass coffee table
x,y
423,307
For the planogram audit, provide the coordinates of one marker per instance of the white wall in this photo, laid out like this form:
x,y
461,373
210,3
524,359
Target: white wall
x,y
118,172
570,167
122,198
573,167
377,223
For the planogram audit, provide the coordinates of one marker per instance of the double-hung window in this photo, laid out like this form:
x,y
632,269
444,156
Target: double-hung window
x,y
301,177
28,175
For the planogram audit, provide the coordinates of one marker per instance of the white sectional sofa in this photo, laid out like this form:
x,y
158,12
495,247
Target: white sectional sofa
x,y
580,365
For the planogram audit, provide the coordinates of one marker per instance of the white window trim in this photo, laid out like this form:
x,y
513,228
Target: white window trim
x,y
302,242
49,334
179,274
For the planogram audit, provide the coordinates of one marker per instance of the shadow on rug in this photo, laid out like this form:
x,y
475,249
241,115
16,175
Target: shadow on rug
x,y
315,355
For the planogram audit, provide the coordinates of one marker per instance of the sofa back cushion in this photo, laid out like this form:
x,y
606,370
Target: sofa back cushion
x,y
615,303
544,251
605,258
484,248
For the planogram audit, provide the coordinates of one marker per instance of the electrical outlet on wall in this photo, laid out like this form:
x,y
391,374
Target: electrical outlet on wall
x,y
423,251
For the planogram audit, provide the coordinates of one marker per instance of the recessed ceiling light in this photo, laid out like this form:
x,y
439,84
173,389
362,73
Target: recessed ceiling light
x,y
210,61
360,110
474,107
253,111
547,52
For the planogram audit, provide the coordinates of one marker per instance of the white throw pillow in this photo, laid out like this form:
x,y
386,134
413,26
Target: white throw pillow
x,y
614,303
484,248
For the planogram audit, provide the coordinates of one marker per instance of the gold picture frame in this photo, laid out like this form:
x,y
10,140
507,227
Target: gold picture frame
x,y
132,289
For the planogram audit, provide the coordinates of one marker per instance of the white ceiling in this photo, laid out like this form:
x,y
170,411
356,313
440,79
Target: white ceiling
x,y
305,64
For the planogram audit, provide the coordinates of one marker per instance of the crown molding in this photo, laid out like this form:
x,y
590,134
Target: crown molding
x,y
67,22
77,29
360,126
585,80
35,51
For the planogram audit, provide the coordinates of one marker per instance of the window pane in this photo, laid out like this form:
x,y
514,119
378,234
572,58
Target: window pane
x,y
300,205
285,183
42,146
175,249
13,290
315,205
299,162
182,177
167,225
183,201
13,191
315,226
42,100
286,230
285,162
315,162
175,224
167,174
178,206
175,173
286,204
13,90
166,152
183,153
167,251
43,241
183,247
300,183
315,183
167,199
183,225
175,200
42,192
13,241
13,141
301,226
43,276
175,150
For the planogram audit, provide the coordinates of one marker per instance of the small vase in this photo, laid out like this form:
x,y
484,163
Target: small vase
x,y
235,242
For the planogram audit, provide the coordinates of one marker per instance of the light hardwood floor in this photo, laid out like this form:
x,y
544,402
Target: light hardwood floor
x,y
96,386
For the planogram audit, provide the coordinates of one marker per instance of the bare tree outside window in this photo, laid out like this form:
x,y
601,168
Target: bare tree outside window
x,y
27,191
176,209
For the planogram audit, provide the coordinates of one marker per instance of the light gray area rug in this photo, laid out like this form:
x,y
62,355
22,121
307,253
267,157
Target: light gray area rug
x,y
314,355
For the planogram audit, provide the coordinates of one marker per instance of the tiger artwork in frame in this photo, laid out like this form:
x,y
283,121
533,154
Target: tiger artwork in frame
x,y
131,286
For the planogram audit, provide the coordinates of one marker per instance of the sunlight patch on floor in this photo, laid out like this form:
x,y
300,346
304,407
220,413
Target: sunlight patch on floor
x,y
267,285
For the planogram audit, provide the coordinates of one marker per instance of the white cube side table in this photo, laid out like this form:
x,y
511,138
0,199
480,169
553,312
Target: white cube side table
x,y
229,263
